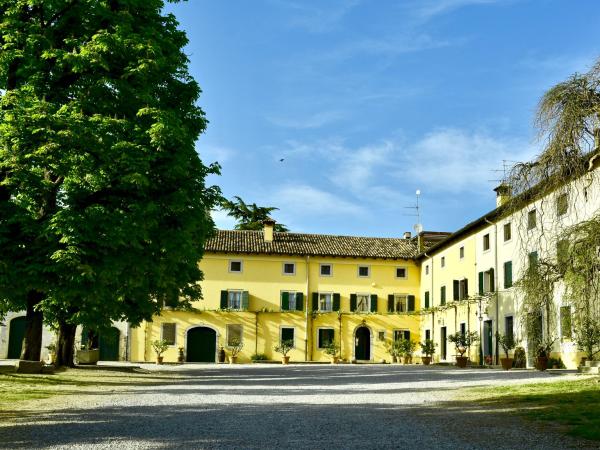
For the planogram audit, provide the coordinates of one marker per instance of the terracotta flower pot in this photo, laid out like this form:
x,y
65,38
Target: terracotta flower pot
x,y
285,359
406,359
461,361
232,359
426,360
541,363
506,363
159,360
335,359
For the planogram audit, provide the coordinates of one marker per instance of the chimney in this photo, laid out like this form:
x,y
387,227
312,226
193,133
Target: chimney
x,y
503,194
407,235
268,225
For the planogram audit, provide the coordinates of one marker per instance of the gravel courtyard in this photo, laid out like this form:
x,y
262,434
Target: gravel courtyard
x,y
298,406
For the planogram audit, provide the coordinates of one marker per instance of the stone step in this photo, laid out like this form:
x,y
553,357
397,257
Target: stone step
x,y
592,364
590,370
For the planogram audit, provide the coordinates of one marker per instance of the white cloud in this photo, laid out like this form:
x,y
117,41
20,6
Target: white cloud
x,y
222,220
428,9
316,120
304,200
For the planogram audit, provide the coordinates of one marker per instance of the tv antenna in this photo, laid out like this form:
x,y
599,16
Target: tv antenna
x,y
416,212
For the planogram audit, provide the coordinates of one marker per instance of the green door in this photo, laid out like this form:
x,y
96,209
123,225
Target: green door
x,y
362,349
108,344
488,342
201,345
16,334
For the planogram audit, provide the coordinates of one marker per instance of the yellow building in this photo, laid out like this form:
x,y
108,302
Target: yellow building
x,y
262,287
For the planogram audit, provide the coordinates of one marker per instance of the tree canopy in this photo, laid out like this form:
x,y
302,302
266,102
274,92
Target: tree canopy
x,y
250,216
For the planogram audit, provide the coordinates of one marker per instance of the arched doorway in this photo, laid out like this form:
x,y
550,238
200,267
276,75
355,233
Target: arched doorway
x,y
16,334
106,341
201,345
362,339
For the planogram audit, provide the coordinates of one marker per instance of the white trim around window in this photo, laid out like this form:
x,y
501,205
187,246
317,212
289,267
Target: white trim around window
x,y
318,341
368,275
283,267
327,303
231,262
162,329
281,327
321,269
405,277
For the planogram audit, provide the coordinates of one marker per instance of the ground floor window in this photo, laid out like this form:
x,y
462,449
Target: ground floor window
x,y
427,334
234,334
287,334
401,334
508,327
325,337
566,329
463,328
168,333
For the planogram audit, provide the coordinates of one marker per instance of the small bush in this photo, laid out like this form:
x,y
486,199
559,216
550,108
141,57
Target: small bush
x,y
259,357
556,362
519,358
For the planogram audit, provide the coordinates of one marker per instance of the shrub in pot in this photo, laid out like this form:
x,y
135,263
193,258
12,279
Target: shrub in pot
x,y
520,358
407,347
160,346
88,355
507,342
463,342
284,348
427,349
235,347
394,349
333,350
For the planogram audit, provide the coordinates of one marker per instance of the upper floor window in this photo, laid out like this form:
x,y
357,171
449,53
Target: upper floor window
x,y
401,272
508,278
326,270
531,219
443,261
289,268
443,295
427,269
426,299
362,303
507,232
292,301
364,271
234,299
325,302
461,252
400,303
562,205
235,266
486,242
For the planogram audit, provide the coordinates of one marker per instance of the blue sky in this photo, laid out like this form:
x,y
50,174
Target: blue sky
x,y
368,101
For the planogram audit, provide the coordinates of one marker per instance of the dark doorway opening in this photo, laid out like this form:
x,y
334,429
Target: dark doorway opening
x,y
362,349
201,345
16,335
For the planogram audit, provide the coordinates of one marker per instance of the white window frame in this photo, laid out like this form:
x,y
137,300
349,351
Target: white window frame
x,y
395,330
281,334
397,298
234,291
289,298
368,296
368,275
330,301
283,272
318,341
162,337
405,277
461,252
381,335
227,332
558,198
321,269
534,211
443,261
506,241
236,271
489,242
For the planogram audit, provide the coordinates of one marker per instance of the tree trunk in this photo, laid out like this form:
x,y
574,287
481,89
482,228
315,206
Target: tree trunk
x,y
65,346
32,344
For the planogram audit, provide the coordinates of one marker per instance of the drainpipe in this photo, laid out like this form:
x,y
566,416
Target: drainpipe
x,y
496,284
431,298
256,332
307,333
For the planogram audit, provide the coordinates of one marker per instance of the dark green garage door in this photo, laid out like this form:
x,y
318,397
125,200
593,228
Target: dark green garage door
x,y
106,341
16,334
201,345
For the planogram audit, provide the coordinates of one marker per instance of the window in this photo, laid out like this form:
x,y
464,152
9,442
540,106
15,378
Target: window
x,y
486,242
401,272
364,271
508,327
443,261
235,266
531,219
234,334
292,301
168,333
461,252
508,281
381,336
566,330
585,194
325,303
427,269
426,299
287,334
562,253
289,268
533,259
463,328
362,303
427,334
324,337
486,281
443,295
507,232
401,334
326,270
400,303
463,289
234,299
562,205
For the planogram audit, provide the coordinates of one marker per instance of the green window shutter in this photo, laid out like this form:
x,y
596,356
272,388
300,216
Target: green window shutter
x,y
455,290
466,288
353,302
406,335
336,302
245,300
223,299
411,303
315,301
299,301
507,274
373,303
285,301
391,303
492,281
443,295
480,283
426,299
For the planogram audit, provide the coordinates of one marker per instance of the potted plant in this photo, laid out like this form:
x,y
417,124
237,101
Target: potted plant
x,y
160,346
408,348
284,348
427,349
394,350
507,342
88,355
180,357
51,353
235,347
542,355
333,350
463,342
519,358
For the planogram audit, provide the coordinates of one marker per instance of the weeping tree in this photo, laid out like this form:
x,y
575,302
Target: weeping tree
x,y
106,206
249,216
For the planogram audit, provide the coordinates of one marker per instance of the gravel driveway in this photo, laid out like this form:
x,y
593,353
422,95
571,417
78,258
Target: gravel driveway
x,y
298,406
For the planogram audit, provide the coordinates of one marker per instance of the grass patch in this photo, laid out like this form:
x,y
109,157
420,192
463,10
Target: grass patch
x,y
574,405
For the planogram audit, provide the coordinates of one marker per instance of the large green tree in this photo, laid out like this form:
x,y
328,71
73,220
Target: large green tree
x,y
249,216
106,205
